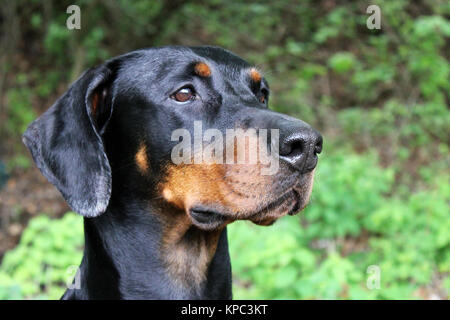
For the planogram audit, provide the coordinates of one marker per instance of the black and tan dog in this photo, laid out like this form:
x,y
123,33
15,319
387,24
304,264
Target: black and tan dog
x,y
154,229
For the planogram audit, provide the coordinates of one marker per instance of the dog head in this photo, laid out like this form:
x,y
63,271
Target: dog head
x,y
187,128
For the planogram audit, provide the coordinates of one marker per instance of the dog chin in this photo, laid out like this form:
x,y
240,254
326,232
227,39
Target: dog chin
x,y
290,206
293,205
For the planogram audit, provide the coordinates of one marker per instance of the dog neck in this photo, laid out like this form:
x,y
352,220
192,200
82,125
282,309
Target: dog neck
x,y
133,252
186,251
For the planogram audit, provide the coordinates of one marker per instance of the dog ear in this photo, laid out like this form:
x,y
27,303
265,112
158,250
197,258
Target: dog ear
x,y
67,146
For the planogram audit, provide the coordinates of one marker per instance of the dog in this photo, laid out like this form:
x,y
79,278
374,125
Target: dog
x,y
155,229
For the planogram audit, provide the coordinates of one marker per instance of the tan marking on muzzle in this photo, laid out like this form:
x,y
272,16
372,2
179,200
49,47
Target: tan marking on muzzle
x,y
234,189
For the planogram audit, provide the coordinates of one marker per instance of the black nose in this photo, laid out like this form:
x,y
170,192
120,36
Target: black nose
x,y
299,146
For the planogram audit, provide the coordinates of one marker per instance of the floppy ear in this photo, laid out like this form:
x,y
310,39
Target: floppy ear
x,y
66,142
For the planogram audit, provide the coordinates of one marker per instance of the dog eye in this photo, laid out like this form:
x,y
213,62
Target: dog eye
x,y
263,96
184,95
262,99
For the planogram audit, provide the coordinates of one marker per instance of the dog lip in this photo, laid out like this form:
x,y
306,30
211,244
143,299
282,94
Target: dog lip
x,y
289,193
210,218
204,216
296,209
273,205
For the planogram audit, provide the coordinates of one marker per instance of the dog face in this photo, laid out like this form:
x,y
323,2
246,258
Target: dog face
x,y
187,128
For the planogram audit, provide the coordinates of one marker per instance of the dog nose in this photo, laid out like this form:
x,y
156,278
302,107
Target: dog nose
x,y
300,147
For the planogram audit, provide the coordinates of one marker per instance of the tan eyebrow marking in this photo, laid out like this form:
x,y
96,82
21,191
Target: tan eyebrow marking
x,y
141,158
255,75
202,69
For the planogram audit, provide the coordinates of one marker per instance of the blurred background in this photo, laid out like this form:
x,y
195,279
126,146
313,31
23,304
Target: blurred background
x,y
378,223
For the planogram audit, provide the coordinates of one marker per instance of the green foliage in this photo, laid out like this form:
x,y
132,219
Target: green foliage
x,y
410,134
19,114
347,188
39,266
342,62
407,238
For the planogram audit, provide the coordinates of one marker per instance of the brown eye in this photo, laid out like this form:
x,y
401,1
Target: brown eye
x,y
263,96
184,95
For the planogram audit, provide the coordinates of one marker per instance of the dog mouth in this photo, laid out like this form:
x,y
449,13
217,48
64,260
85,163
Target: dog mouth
x,y
207,219
293,198
289,203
